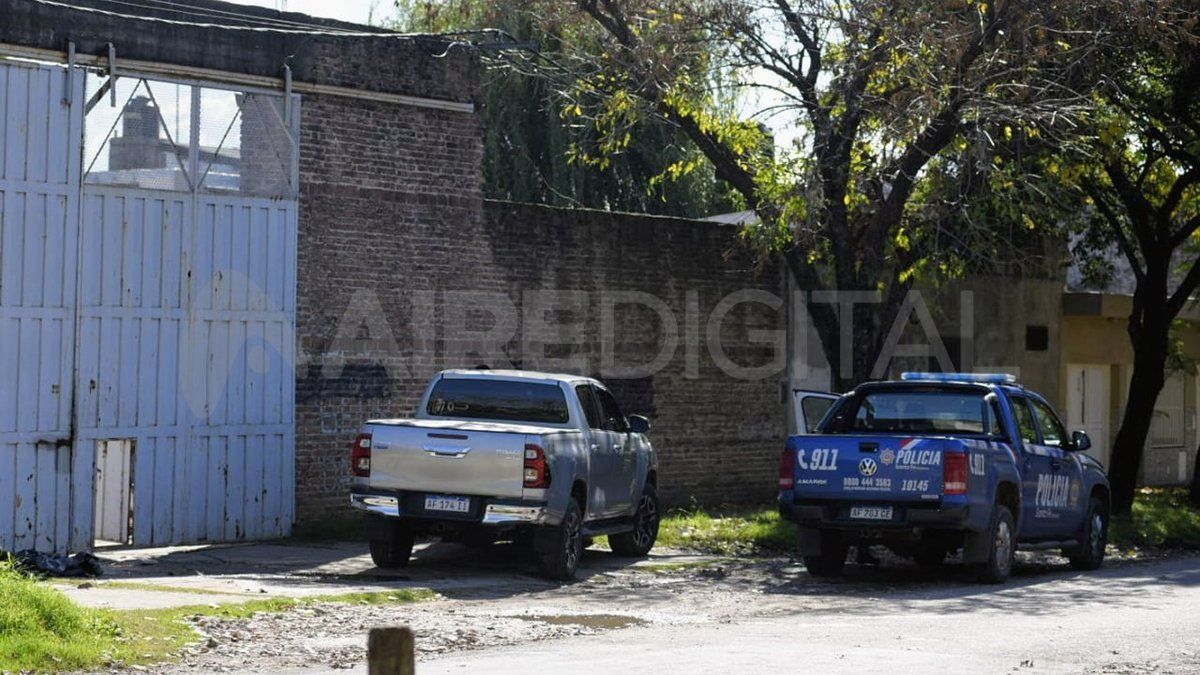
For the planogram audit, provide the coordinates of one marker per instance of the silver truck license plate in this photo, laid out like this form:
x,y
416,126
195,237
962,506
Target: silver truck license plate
x,y
871,512
442,503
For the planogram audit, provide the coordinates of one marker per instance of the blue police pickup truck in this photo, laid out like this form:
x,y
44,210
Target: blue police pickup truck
x,y
938,462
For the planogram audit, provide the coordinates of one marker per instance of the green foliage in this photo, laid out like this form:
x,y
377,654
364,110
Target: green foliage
x,y
1161,517
40,629
728,531
542,141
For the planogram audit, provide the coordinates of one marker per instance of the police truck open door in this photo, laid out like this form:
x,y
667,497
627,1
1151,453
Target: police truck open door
x,y
809,408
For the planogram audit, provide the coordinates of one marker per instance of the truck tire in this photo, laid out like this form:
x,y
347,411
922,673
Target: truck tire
x,y
392,553
831,560
561,547
1002,537
1089,555
640,540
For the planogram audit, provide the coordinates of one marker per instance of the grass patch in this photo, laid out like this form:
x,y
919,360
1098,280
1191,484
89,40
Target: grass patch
x,y
1162,518
158,588
41,630
727,531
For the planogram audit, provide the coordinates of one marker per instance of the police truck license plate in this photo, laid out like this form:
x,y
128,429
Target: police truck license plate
x,y
442,503
871,512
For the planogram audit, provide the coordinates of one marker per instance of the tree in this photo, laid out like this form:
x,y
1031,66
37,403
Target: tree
x,y
893,100
1143,180
533,150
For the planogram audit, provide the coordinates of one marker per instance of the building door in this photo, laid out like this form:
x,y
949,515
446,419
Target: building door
x,y
114,491
1089,390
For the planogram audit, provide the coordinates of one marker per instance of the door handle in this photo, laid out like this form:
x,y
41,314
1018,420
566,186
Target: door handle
x,y
1055,465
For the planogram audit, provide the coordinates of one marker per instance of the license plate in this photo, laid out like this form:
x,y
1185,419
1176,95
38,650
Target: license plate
x,y
452,504
871,512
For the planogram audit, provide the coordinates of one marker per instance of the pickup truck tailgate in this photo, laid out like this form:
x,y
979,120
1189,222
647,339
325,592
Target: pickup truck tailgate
x,y
453,457
869,468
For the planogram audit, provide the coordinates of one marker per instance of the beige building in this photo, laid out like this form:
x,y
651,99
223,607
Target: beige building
x,y
1094,371
1070,346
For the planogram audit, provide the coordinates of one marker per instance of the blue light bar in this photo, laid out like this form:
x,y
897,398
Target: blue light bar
x,y
986,378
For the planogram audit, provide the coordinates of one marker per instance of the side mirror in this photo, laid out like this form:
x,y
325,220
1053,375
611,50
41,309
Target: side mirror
x,y
1080,441
639,424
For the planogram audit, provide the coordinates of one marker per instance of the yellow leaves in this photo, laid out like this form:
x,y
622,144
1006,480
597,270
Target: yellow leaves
x,y
846,199
1028,222
1008,133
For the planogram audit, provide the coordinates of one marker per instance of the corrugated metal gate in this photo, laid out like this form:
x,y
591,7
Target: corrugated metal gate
x,y
147,306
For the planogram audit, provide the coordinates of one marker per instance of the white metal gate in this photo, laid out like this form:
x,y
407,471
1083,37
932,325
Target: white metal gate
x,y
39,191
173,323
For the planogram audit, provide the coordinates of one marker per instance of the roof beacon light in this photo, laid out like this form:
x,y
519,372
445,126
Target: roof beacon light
x,y
987,378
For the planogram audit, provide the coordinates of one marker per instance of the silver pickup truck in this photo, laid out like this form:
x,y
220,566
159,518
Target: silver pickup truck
x,y
548,459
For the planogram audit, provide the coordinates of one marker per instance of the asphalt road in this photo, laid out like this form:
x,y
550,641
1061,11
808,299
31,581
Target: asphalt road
x,y
1138,618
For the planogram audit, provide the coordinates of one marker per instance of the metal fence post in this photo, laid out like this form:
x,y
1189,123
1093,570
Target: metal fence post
x,y
390,651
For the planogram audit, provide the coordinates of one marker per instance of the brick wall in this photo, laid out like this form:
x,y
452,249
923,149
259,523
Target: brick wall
x,y
404,268
440,276
390,197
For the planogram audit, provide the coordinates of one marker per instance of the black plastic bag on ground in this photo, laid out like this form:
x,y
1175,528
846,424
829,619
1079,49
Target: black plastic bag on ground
x,y
78,565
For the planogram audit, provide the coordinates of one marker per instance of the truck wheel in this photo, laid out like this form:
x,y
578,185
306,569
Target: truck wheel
x,y
562,546
638,543
1002,534
831,559
393,553
1089,555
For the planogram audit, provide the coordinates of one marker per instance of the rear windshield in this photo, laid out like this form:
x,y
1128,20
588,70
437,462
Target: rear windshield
x,y
507,400
920,412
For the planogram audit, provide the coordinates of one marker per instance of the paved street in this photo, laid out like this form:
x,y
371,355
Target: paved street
x,y
1132,619
674,612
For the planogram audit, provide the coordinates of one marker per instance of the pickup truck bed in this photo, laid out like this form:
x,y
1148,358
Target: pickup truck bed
x,y
494,454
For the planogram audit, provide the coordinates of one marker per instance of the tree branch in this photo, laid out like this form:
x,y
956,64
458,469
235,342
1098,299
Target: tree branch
x,y
1186,287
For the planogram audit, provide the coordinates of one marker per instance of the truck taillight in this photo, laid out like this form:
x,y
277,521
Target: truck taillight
x,y
360,456
955,473
787,469
537,472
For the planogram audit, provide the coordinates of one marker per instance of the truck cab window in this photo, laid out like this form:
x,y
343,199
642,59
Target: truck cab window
x,y
587,400
1025,424
611,412
1053,432
995,427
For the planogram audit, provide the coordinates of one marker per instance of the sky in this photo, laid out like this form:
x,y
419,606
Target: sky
x,y
366,11
357,11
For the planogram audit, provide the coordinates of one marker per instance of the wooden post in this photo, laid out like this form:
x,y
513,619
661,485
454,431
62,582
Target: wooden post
x,y
390,651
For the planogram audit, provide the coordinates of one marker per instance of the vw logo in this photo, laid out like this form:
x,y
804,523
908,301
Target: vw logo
x,y
867,466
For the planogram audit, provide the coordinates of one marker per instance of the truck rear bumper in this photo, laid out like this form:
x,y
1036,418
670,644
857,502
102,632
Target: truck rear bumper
x,y
911,519
490,512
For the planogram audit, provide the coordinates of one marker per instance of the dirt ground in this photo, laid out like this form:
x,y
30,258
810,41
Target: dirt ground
x,y
487,599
